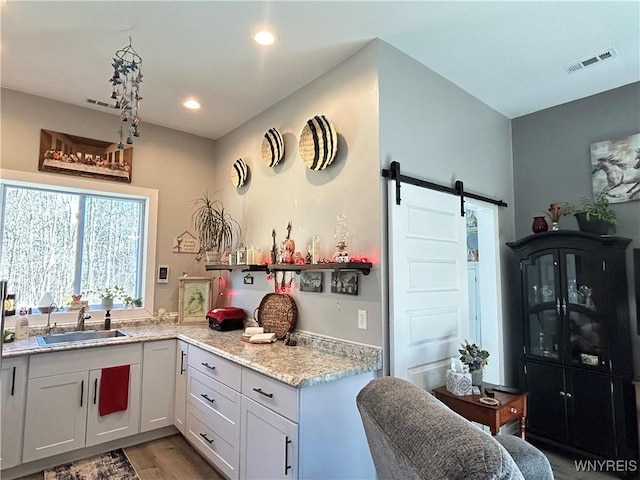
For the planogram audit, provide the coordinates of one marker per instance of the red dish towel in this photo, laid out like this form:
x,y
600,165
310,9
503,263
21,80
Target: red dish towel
x,y
114,390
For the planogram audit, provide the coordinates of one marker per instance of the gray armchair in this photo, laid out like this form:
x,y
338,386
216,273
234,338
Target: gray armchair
x,y
412,435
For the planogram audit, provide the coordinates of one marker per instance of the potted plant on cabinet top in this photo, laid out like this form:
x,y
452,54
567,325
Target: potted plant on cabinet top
x,y
215,228
594,216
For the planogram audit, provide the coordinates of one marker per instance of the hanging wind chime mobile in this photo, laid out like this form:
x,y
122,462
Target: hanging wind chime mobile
x,y
126,80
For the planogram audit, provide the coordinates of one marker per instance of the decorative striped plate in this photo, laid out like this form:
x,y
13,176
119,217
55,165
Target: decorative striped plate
x,y
272,148
239,172
318,143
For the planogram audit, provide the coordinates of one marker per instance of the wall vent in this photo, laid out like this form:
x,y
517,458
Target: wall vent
x,y
587,62
99,103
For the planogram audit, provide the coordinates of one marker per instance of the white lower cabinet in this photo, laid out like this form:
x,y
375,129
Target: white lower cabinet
x,y
213,410
269,445
63,396
158,384
14,391
180,399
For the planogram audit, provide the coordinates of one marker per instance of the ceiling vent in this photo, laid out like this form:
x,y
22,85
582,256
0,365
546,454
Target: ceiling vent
x,y
99,103
587,62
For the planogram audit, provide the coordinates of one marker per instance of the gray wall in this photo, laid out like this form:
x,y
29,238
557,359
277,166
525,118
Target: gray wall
x,y
177,164
441,133
552,162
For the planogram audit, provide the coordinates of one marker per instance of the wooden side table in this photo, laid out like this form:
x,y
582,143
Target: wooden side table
x,y
512,407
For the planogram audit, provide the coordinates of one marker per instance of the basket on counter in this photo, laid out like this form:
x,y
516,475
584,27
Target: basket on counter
x,y
277,313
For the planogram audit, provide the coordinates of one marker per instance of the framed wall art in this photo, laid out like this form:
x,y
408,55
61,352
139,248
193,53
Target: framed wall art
x,y
344,282
615,169
311,281
194,300
85,157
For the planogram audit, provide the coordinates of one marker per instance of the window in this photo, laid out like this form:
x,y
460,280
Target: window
x,y
70,240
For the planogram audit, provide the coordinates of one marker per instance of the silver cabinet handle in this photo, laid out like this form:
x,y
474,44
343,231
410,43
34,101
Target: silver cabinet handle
x,y
562,393
564,306
568,395
558,305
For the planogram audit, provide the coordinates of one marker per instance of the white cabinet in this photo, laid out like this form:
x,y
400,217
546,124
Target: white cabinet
x,y
14,391
158,384
180,399
115,425
63,396
269,446
56,415
213,409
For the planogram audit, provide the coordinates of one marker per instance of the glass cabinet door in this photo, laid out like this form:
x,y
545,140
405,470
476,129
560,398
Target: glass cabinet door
x,y
543,328
582,304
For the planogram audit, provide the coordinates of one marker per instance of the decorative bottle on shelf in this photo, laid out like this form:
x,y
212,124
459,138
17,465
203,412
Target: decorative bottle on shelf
x,y
315,249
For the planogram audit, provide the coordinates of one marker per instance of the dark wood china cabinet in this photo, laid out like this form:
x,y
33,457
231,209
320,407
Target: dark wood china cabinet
x,y
572,336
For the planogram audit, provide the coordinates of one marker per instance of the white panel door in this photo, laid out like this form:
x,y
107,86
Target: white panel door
x,y
56,415
428,302
180,399
115,425
158,384
12,404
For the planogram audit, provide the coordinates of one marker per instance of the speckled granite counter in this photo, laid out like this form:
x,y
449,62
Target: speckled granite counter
x,y
315,360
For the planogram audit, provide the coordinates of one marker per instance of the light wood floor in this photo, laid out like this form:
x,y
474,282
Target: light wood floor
x,y
172,458
169,458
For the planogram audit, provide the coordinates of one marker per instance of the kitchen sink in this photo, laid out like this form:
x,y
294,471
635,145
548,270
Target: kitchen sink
x,y
85,336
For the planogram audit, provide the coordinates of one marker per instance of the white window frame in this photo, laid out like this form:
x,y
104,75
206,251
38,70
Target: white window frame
x,y
74,184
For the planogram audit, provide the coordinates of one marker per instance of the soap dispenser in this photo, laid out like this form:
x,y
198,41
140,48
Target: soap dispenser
x,y
107,320
22,325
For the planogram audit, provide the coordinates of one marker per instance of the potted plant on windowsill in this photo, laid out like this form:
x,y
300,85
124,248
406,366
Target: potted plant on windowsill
x,y
215,228
594,216
107,295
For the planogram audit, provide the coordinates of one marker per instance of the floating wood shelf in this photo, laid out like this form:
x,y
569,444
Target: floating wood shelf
x,y
244,268
364,267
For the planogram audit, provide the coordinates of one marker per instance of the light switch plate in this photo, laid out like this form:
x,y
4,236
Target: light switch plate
x,y
362,319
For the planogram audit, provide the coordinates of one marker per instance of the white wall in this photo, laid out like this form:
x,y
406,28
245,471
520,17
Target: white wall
x,y
440,133
348,96
177,164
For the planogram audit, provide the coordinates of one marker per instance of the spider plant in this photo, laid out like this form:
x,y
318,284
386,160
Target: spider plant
x,y
214,225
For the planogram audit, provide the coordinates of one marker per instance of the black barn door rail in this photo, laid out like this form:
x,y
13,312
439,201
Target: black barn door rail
x,y
458,189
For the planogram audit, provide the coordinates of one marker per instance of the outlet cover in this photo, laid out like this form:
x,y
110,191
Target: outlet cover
x,y
362,319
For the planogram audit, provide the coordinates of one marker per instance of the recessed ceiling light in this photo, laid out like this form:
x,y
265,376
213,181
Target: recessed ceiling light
x,y
192,104
265,38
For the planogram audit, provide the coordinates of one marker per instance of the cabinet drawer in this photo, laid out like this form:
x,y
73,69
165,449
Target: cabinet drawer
x,y
215,367
512,411
219,452
277,396
218,406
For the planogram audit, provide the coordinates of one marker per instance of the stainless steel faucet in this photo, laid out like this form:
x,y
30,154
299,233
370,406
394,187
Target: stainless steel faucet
x,y
47,329
82,316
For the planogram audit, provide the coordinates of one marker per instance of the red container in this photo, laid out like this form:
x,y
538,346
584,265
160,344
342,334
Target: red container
x,y
539,225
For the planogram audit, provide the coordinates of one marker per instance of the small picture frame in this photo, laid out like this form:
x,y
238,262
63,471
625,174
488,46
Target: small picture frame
x,y
345,283
311,281
194,299
163,274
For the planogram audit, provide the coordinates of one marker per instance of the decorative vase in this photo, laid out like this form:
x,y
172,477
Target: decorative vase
x,y
539,225
107,303
476,377
555,226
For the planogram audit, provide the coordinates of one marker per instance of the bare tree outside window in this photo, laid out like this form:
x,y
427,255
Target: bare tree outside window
x,y
69,243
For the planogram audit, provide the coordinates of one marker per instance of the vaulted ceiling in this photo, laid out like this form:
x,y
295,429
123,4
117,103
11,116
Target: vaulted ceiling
x,y
513,56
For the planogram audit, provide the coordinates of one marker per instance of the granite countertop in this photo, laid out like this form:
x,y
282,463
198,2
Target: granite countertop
x,y
313,361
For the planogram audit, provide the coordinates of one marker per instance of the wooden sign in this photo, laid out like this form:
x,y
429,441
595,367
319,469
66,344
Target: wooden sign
x,y
185,243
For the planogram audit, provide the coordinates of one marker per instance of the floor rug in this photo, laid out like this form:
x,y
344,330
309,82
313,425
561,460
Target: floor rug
x,y
108,466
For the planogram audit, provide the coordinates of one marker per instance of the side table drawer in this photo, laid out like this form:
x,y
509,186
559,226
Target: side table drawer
x,y
512,411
